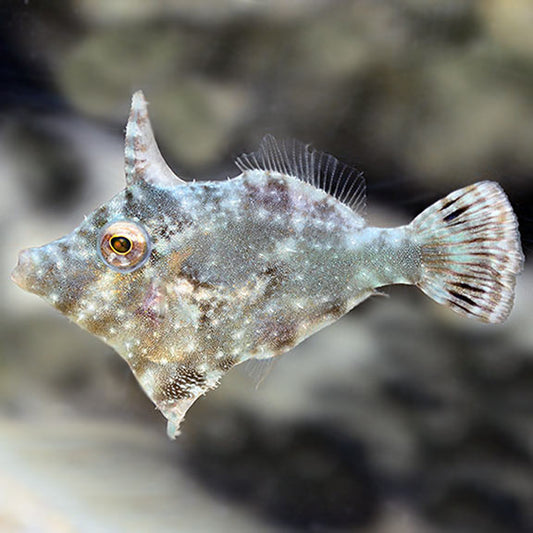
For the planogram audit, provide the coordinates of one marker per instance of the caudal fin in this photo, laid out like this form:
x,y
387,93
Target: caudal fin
x,y
470,251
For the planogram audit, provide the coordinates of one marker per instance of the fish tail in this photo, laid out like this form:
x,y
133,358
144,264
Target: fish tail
x,y
470,252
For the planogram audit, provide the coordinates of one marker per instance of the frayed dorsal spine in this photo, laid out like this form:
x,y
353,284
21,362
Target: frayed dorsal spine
x,y
470,251
293,158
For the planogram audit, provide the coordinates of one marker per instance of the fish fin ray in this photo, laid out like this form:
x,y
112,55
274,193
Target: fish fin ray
x,y
258,369
471,252
299,160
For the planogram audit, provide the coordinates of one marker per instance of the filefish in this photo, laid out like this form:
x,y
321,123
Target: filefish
x,y
187,279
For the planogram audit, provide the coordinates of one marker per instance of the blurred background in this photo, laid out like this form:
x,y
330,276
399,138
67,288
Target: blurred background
x,y
401,417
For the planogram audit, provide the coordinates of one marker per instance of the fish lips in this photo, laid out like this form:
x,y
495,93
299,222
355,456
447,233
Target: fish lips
x,y
24,272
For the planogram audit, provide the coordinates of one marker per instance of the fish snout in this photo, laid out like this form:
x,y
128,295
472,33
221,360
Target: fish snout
x,y
54,273
35,270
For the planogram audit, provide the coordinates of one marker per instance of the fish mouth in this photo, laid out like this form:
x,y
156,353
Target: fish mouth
x,y
21,273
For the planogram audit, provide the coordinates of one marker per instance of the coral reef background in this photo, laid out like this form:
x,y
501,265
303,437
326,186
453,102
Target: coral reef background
x,y
398,418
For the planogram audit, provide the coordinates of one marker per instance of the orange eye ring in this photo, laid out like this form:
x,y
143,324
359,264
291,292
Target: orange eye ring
x,y
124,245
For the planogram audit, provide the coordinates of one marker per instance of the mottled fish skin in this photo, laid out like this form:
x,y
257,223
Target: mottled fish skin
x,y
237,269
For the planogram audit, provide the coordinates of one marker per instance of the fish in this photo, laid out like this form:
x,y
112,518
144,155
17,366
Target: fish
x,y
187,279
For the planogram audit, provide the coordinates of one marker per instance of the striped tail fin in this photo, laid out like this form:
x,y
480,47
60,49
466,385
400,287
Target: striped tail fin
x,y
470,251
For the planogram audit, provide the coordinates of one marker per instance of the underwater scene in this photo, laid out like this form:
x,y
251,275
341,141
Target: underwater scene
x,y
232,329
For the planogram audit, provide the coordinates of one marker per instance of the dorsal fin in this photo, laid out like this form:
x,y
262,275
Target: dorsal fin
x,y
296,159
142,159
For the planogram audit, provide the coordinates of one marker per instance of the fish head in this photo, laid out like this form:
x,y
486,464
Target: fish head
x,y
105,275
119,276
95,271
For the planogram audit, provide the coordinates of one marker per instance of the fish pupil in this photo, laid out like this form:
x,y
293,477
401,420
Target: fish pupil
x,y
120,244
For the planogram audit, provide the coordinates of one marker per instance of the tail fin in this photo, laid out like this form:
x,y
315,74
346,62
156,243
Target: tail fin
x,y
470,251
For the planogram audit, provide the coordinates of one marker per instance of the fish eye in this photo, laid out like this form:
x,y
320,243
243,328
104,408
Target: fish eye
x,y
120,244
124,245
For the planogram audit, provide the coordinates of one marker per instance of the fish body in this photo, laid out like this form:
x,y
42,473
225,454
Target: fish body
x,y
186,280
